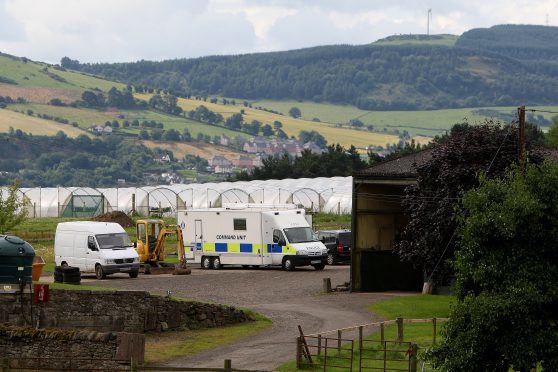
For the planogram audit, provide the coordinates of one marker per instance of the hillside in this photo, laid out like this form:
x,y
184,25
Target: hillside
x,y
522,42
393,74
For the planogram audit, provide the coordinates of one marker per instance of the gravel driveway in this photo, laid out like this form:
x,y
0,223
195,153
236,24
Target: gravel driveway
x,y
288,298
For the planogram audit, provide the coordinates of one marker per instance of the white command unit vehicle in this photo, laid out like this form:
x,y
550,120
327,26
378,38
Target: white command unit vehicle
x,y
249,235
98,247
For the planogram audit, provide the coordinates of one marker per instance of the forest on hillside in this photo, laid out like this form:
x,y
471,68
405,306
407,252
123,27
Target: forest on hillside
x,y
374,77
61,160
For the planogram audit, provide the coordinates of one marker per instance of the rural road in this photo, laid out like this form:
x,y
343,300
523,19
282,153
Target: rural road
x,y
287,298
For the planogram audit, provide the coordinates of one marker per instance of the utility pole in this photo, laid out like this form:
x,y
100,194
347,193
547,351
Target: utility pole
x,y
521,114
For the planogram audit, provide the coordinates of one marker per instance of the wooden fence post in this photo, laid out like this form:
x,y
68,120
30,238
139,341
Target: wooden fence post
x,y
339,340
413,360
360,339
319,344
305,351
399,329
298,353
228,365
433,331
382,327
327,285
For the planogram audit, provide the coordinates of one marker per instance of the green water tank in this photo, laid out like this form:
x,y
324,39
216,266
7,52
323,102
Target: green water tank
x,y
16,260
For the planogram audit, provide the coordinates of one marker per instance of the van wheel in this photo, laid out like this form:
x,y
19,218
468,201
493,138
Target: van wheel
x,y
319,266
99,273
330,259
216,263
288,264
206,263
133,274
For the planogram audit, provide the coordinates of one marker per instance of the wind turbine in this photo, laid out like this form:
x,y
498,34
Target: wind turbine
x,y
428,18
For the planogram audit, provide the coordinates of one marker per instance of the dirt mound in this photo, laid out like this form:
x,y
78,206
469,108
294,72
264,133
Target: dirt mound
x,y
116,216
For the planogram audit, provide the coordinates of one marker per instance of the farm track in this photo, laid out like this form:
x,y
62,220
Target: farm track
x,y
288,298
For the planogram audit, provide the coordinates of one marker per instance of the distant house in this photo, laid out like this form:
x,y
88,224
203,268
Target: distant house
x,y
96,129
165,158
292,148
218,160
223,169
225,141
256,145
257,161
315,149
107,129
241,161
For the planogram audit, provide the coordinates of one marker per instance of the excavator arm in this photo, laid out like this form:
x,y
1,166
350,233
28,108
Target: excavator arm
x,y
151,249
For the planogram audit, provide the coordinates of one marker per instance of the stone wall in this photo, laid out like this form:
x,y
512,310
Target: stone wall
x,y
115,311
22,347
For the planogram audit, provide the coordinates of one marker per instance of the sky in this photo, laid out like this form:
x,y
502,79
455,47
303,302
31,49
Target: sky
x,y
131,30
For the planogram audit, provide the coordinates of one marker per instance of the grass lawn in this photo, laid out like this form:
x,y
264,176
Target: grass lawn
x,y
330,221
161,347
407,307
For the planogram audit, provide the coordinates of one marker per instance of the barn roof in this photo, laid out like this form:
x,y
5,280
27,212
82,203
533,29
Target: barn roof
x,y
403,167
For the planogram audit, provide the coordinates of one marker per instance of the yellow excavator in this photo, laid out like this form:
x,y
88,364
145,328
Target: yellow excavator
x,y
150,245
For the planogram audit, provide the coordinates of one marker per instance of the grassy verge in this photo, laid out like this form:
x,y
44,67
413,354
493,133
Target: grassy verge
x,y
75,287
330,221
160,347
409,307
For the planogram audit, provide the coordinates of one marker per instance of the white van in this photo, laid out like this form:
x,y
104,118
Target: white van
x,y
98,247
250,235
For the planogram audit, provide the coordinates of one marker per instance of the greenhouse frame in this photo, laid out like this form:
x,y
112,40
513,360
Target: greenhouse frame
x,y
331,195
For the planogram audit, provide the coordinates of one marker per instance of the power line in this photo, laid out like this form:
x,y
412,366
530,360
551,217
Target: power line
x,y
545,111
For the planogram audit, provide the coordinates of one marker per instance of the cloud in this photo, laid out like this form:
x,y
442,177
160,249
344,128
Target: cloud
x,y
128,30
11,30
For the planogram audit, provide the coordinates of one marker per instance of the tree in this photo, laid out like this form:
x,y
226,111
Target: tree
x,y
312,136
267,130
506,275
12,208
427,240
143,134
552,135
171,135
234,122
295,112
356,123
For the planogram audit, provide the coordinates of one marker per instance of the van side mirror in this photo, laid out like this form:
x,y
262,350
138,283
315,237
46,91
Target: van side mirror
x,y
275,239
282,242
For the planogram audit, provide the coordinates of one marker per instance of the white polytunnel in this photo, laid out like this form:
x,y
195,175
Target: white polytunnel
x,y
331,195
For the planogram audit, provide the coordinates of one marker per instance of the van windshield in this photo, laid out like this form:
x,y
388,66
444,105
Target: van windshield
x,y
299,235
113,241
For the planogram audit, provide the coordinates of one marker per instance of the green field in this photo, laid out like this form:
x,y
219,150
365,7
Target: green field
x,y
88,117
292,127
31,74
444,39
417,123
32,124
